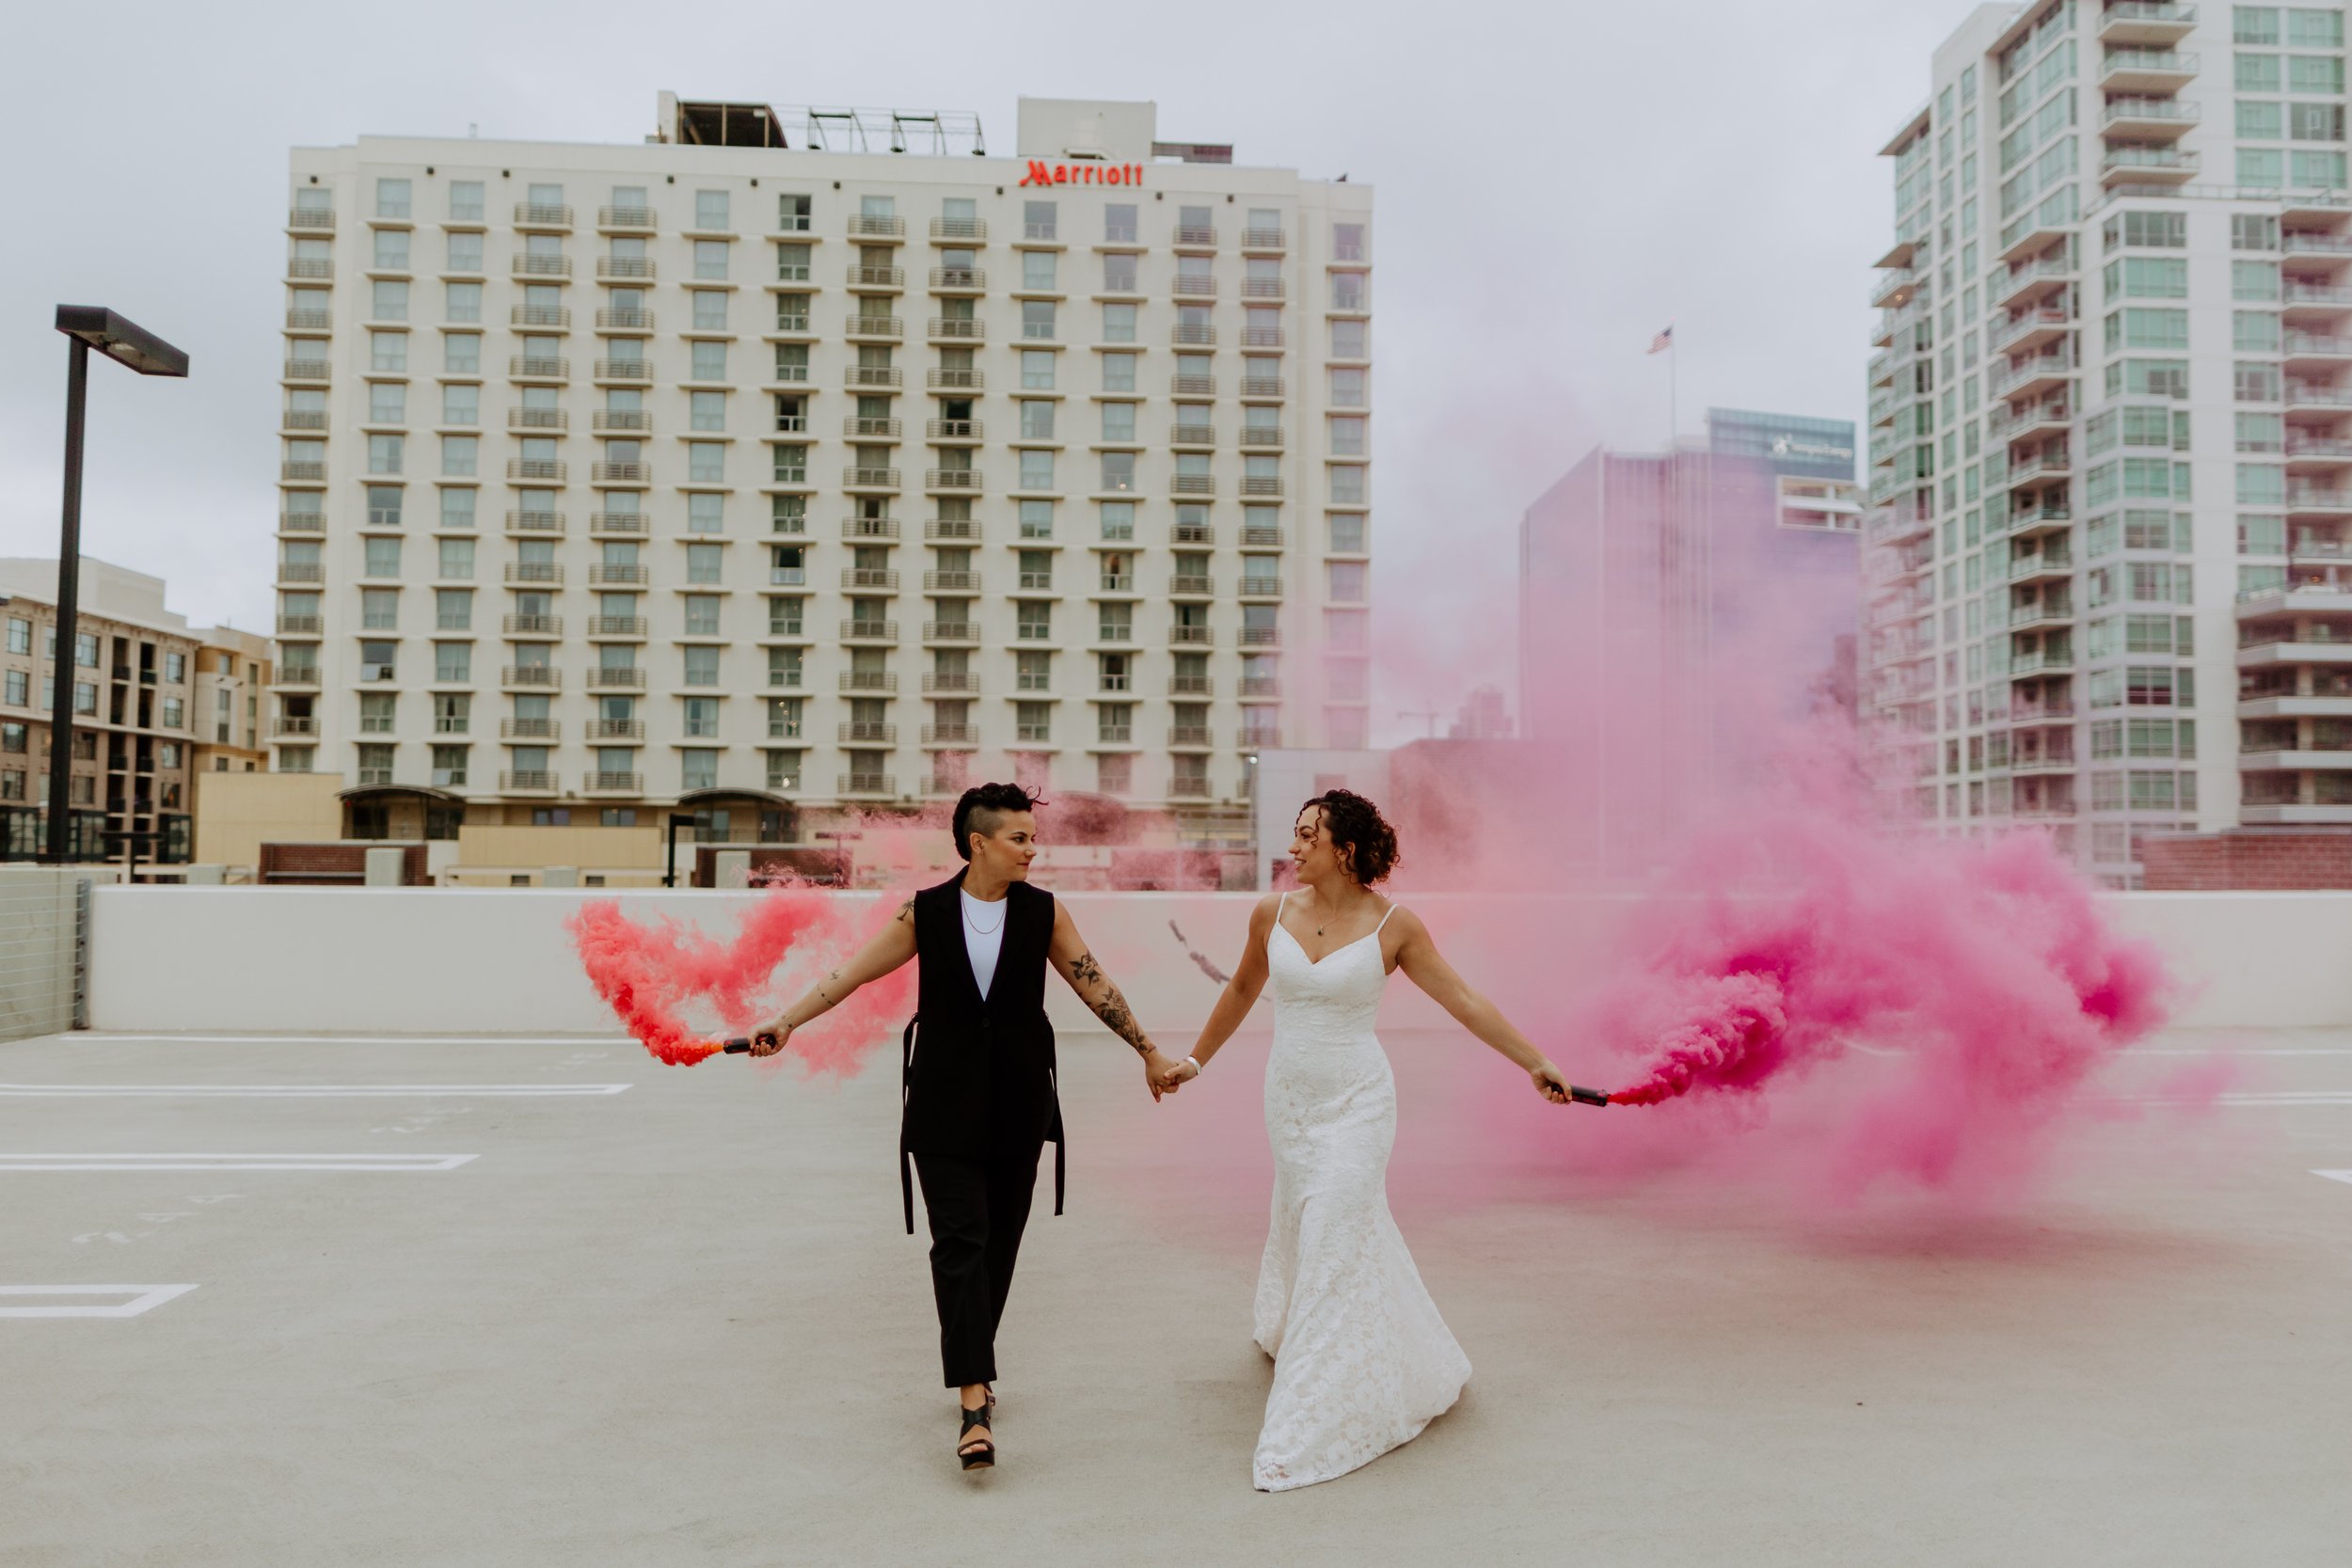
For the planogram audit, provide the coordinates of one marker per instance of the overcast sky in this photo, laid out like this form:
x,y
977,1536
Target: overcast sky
x,y
1554,184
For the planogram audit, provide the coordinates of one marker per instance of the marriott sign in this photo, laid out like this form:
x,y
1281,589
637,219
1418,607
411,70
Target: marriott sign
x,y
1082,173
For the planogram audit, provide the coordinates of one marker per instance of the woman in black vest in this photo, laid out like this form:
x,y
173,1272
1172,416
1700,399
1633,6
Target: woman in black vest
x,y
978,1082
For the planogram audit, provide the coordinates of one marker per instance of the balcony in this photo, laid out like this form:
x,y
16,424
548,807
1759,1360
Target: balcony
x,y
855,478
616,677
1192,435
952,527
1193,738
2028,282
1267,438
866,733
2040,661
2147,166
869,578
615,729
533,627
537,418
2318,351
1261,337
2042,467
528,265
877,279
855,630
959,230
522,367
295,725
1261,637
959,330
2141,22
1893,288
541,317
865,226
301,625
1192,586
2031,376
316,220
953,378
1194,286
2041,566
597,782
2040,617
528,781
1195,237
620,474
2330,246
1192,485
1191,637
951,631
867,783
959,280
872,375
639,370
960,480
549,470
951,582
1261,588
963,682
312,268
624,523
537,677
2032,330
1193,533
889,327
952,430
2036,521
302,470
2040,420
630,320
1187,336
624,269
951,735
626,219
617,627
1266,485
1262,288
2319,500
620,422
306,370
534,573
2149,71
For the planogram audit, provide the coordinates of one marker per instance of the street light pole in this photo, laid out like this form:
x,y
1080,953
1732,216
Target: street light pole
x,y
57,850
87,326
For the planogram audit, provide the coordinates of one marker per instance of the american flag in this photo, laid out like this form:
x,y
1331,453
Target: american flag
x,y
1663,341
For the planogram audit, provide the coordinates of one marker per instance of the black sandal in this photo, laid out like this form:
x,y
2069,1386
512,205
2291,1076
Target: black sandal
x,y
981,1452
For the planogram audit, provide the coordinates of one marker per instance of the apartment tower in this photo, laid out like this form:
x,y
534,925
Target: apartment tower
x,y
2111,428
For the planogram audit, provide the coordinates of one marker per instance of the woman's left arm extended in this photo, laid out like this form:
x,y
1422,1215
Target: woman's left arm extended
x,y
1417,954
1094,988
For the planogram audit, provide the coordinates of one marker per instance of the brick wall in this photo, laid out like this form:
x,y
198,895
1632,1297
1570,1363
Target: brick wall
x,y
2271,861
341,863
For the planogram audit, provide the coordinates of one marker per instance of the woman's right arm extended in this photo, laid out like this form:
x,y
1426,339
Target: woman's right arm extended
x,y
1240,994
891,946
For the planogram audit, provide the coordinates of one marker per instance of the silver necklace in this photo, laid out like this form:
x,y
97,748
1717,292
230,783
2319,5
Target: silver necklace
x,y
975,926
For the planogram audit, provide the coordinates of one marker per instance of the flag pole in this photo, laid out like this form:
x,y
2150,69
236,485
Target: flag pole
x,y
1674,393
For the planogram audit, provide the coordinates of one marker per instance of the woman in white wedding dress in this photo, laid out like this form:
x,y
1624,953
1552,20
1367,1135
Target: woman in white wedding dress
x,y
1361,1359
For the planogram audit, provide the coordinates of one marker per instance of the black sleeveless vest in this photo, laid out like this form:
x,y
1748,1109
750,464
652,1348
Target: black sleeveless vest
x,y
978,1076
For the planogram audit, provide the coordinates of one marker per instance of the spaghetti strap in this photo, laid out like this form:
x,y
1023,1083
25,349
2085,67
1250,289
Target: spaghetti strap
x,y
1384,920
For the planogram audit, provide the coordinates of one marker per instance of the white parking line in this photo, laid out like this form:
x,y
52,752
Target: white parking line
x,y
2342,1176
233,1162
84,1036
141,1298
301,1091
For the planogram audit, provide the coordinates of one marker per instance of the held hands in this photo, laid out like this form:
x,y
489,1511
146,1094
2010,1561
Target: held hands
x,y
1160,1075
771,1039
1549,1081
1176,1075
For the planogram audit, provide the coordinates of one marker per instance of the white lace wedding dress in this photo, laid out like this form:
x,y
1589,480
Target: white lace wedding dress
x,y
1362,1360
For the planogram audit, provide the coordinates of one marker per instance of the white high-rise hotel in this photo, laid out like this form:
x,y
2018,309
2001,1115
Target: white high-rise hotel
x,y
2112,425
734,472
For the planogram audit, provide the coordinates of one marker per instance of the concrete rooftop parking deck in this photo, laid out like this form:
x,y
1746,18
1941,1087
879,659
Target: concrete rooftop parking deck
x,y
659,1315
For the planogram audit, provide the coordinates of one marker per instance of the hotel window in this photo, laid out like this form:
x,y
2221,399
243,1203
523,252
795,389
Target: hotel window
x,y
452,609
392,251
1038,220
711,261
460,454
1349,340
706,410
1118,519
704,563
458,507
706,513
702,718
1348,291
794,213
793,263
1037,419
1037,519
388,351
1037,370
1037,270
1347,388
1347,436
1037,319
461,353
1119,422
710,210
1347,242
389,300
385,453
391,198
1347,533
710,311
1036,470
1118,372
1119,273
1118,223
707,362
461,403
1119,323
1033,620
701,666
1119,478
466,202
1347,581
706,461
388,403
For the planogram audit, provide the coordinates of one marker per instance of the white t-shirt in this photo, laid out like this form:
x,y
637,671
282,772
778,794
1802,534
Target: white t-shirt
x,y
984,935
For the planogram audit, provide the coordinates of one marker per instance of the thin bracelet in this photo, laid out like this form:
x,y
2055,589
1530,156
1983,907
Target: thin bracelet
x,y
1196,1065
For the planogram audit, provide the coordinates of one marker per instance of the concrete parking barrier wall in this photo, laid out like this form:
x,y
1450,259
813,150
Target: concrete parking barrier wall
x,y
497,962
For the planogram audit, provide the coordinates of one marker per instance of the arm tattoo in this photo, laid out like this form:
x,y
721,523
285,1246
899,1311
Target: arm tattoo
x,y
1108,1005
1084,970
906,911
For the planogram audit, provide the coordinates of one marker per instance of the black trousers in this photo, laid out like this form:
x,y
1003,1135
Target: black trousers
x,y
977,1209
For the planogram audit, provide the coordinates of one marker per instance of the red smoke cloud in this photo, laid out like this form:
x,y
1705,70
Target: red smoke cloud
x,y
650,974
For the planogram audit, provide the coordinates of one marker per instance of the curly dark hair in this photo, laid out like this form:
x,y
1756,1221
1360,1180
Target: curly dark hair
x,y
983,806
1360,836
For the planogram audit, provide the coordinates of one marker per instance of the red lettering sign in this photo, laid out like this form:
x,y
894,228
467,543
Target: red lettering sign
x,y
1085,173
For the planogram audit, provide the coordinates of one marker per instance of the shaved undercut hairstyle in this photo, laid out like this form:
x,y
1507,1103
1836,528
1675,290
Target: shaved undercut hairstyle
x,y
983,810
